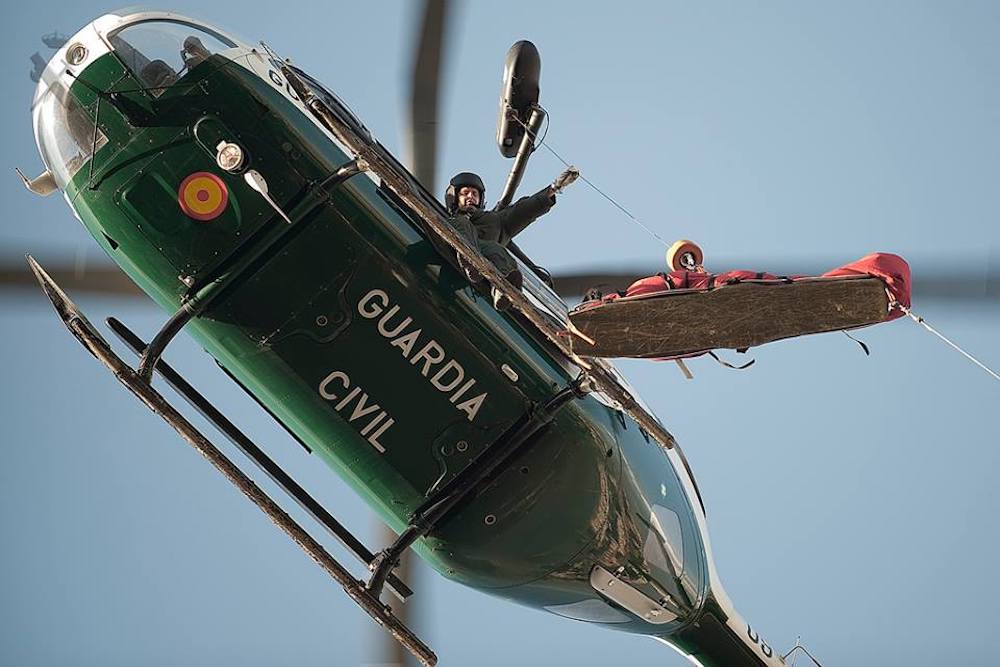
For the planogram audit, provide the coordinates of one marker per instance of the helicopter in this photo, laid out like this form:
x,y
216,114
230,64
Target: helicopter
x,y
330,382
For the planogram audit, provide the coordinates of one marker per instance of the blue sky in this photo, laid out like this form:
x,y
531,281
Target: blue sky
x,y
851,500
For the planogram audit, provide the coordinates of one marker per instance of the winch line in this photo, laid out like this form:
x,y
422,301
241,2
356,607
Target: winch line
x,y
545,145
919,320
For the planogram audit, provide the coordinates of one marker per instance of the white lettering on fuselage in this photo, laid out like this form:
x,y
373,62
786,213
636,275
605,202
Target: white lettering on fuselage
x,y
337,381
445,375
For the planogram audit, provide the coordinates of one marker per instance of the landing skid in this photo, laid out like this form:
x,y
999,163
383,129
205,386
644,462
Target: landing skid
x,y
88,336
684,321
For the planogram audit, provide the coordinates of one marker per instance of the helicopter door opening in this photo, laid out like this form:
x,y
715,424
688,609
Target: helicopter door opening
x,y
541,295
159,52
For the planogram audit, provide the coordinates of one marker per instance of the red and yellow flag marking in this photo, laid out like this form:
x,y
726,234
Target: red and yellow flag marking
x,y
203,196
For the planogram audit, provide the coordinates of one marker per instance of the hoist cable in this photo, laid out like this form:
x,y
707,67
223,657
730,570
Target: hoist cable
x,y
541,142
919,320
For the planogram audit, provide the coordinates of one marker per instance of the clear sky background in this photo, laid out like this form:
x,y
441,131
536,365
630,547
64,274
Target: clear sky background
x,y
851,500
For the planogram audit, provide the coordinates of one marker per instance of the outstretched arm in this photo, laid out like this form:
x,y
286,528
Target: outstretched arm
x,y
516,217
520,214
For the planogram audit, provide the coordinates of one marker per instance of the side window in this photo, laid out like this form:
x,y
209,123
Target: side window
x,y
67,134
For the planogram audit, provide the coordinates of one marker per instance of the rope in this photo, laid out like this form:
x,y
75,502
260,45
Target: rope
x,y
919,320
541,142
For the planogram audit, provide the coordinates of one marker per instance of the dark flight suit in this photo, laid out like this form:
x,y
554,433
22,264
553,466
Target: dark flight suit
x,y
491,231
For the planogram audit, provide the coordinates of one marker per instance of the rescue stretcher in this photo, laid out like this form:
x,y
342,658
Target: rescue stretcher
x,y
686,313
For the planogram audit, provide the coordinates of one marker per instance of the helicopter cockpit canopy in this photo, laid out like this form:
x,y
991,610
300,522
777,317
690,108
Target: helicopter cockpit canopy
x,y
158,47
159,52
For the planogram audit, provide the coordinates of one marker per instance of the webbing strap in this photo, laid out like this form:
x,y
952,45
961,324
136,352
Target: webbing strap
x,y
864,347
729,365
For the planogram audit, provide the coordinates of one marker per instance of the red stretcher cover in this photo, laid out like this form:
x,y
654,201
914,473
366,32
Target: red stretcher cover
x,y
890,269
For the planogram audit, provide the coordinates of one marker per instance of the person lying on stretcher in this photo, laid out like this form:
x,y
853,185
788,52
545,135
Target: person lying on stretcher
x,y
689,311
685,258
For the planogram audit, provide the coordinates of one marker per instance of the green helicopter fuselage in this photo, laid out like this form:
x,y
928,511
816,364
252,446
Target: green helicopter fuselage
x,y
328,302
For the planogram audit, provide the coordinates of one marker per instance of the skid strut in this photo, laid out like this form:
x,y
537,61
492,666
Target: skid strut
x,y
88,336
255,454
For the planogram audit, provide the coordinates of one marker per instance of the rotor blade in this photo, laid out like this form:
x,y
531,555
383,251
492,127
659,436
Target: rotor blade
x,y
428,57
107,279
965,284
421,147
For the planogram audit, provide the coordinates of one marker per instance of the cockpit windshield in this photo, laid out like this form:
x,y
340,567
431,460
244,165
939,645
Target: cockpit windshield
x,y
67,134
160,52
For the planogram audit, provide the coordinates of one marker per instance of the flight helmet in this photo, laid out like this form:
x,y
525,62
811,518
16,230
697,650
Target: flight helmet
x,y
464,179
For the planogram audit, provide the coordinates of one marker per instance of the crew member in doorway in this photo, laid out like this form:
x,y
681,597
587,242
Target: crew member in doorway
x,y
491,231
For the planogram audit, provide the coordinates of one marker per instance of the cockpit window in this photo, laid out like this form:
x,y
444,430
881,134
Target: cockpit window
x,y
67,134
159,53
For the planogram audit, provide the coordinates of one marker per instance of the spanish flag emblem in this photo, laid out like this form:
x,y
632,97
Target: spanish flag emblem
x,y
203,196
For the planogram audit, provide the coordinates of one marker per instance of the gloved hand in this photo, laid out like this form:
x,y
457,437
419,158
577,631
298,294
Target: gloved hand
x,y
564,179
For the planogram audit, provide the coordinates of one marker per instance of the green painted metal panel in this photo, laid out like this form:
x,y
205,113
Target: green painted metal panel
x,y
352,330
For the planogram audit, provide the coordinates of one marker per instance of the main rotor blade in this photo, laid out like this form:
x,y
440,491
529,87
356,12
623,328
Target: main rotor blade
x,y
428,58
966,284
107,279
421,142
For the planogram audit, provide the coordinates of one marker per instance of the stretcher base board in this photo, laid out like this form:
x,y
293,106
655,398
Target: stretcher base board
x,y
747,314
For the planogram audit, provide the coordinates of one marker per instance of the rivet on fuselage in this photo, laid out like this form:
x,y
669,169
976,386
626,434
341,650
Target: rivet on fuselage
x,y
447,449
509,372
322,321
461,445
490,519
